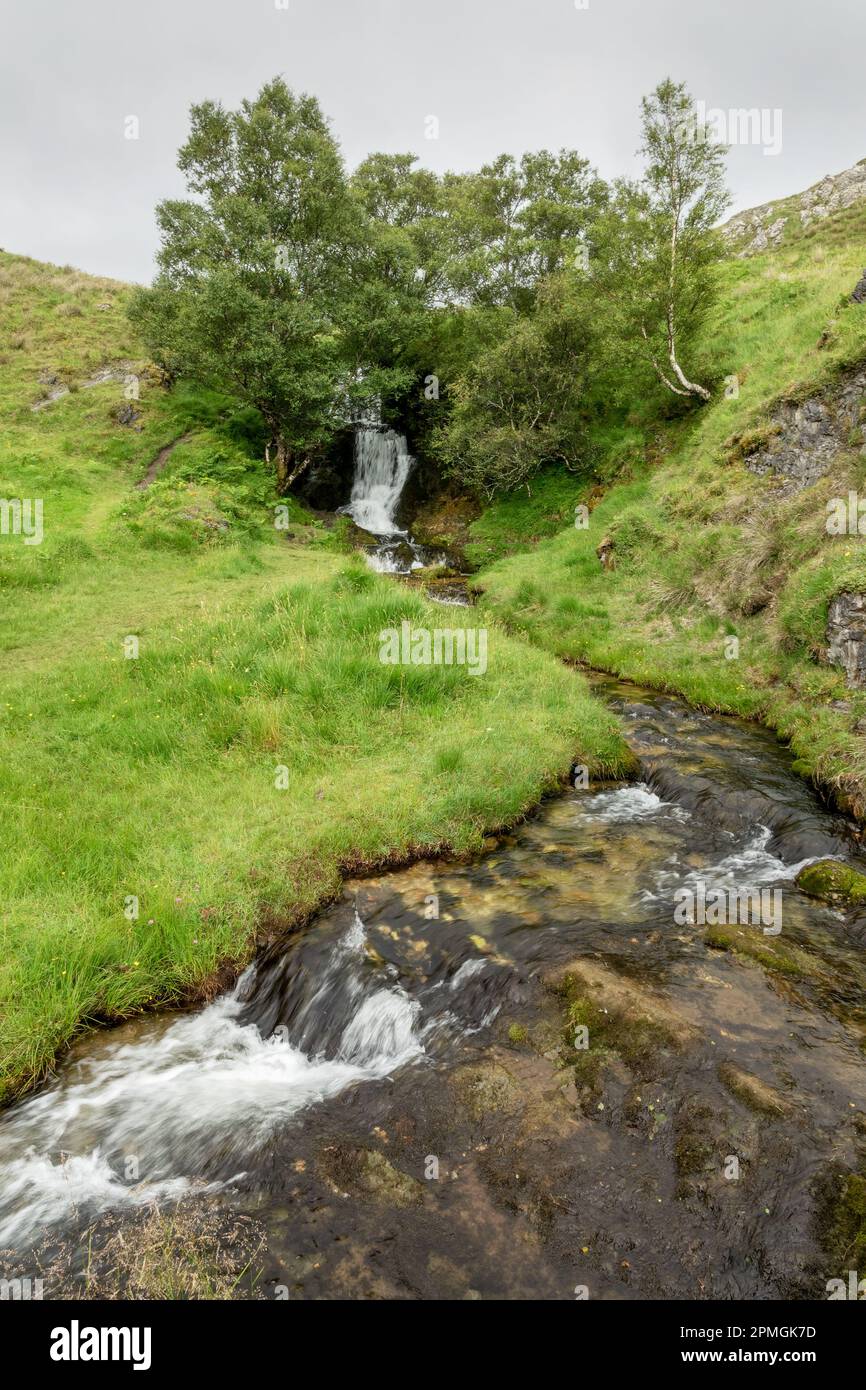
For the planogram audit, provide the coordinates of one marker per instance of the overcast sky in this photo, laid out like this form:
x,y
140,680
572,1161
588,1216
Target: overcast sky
x,y
499,75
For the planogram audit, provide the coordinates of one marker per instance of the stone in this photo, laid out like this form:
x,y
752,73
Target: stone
x,y
808,436
859,292
833,882
604,551
846,635
758,228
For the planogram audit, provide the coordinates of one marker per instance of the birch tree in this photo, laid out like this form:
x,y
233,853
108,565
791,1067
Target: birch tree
x,y
657,247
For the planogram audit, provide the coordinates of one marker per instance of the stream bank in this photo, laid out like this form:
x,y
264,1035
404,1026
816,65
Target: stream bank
x,y
397,1103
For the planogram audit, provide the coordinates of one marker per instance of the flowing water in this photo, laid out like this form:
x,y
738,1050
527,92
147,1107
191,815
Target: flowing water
x,y
382,468
382,465
398,1094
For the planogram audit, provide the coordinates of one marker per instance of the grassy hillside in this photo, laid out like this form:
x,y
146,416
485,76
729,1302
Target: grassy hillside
x,y
704,549
156,777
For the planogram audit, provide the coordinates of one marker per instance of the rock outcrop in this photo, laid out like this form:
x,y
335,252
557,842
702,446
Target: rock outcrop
x,y
846,635
756,229
809,435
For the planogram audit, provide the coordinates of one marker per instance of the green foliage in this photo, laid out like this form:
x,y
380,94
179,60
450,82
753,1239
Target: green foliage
x,y
703,549
521,404
657,249
513,224
267,283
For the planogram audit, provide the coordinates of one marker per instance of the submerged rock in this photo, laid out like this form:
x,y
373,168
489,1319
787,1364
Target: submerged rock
x,y
751,1091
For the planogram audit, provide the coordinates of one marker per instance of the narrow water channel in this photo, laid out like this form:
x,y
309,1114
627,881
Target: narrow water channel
x,y
401,1096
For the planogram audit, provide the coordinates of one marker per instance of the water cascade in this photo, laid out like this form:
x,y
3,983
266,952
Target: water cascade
x,y
382,468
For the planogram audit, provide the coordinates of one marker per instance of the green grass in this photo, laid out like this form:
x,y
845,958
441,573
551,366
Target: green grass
x,y
156,777
705,551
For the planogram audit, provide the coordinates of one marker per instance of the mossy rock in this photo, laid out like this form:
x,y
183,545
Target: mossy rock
x,y
833,882
768,951
610,1020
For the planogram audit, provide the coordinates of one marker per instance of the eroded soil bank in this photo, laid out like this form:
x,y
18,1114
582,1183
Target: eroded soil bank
x,y
515,1078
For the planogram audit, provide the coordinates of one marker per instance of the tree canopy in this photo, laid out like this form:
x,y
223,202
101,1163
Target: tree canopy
x,y
307,292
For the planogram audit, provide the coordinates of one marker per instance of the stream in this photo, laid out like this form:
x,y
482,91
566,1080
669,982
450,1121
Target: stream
x,y
398,1096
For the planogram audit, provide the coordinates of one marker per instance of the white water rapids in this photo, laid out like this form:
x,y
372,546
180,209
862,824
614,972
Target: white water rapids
x,y
136,1121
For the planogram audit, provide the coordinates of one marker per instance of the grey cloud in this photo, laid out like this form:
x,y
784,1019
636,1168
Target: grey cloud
x,y
498,74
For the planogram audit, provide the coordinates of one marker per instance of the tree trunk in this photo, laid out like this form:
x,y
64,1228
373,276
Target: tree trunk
x,y
283,466
289,465
690,388
693,388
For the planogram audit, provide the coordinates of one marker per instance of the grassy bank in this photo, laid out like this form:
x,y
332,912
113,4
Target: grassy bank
x,y
705,551
225,776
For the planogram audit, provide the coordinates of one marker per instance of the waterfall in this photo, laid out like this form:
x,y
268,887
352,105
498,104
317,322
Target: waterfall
x,y
382,465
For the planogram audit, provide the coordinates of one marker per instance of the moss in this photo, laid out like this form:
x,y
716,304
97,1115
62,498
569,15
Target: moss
x,y
832,881
842,1223
694,1145
517,1034
487,1089
368,1173
766,950
693,1150
623,1032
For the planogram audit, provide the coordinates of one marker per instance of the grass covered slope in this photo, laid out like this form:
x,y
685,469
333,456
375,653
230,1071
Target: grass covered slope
x,y
705,550
114,559
256,744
